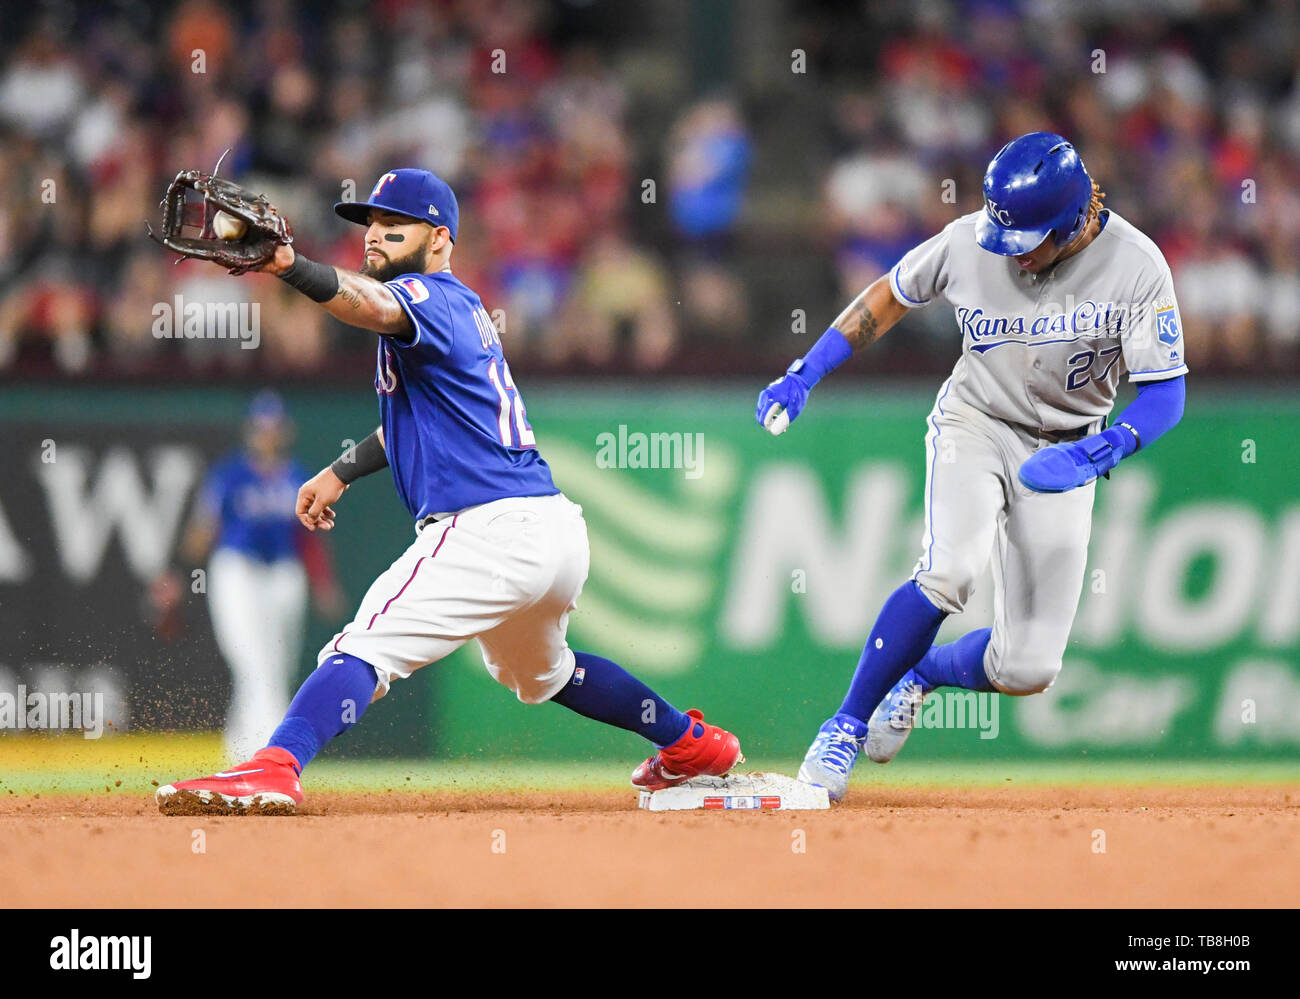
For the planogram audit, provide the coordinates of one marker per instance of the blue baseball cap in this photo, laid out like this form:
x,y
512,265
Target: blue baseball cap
x,y
417,193
268,407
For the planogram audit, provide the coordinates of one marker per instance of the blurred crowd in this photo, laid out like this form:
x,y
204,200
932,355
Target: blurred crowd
x,y
599,242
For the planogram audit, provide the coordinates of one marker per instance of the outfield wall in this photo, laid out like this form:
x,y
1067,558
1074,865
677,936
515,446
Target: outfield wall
x,y
742,581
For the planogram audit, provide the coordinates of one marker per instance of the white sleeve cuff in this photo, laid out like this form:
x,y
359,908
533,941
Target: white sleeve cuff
x,y
899,294
1157,375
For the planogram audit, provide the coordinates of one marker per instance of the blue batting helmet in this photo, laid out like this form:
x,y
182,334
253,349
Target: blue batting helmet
x,y
1034,186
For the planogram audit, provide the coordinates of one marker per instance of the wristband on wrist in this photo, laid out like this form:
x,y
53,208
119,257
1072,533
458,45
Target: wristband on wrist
x,y
1137,437
319,282
827,354
360,460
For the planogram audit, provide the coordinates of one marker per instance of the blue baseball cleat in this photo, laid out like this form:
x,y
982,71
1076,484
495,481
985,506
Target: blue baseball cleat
x,y
891,723
830,758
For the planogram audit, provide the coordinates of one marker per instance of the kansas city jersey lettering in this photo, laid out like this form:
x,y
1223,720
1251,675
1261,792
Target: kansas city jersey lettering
x,y
1087,319
455,427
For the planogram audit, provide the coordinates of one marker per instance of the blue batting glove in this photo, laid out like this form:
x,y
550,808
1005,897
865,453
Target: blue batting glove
x,y
1062,467
782,401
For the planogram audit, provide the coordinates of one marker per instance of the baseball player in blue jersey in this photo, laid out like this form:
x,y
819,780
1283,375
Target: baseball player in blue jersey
x,y
257,557
1056,297
500,555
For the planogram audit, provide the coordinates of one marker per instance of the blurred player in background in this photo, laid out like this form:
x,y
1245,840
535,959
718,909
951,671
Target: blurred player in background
x,y
260,566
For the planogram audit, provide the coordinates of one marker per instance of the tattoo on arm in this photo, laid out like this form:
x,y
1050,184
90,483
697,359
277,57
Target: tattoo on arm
x,y
864,333
858,324
870,316
363,301
349,295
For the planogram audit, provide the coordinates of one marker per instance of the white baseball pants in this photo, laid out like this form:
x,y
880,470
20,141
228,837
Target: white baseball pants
x,y
258,612
976,508
506,573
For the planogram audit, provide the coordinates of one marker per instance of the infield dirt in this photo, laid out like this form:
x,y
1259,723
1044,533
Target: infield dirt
x,y
1185,846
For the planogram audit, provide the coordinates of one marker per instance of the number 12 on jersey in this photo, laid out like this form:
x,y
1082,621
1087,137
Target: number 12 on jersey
x,y
512,405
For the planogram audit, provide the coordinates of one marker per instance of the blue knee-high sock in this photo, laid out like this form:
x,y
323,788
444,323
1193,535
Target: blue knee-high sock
x,y
903,632
328,703
957,664
605,691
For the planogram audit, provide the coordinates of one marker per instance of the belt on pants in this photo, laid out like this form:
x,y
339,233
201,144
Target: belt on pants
x,y
433,518
1057,436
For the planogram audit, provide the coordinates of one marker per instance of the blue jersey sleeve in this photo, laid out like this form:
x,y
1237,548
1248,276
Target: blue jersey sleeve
x,y
212,494
426,305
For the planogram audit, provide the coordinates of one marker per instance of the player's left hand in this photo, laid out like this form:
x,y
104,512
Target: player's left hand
x,y
264,230
1062,467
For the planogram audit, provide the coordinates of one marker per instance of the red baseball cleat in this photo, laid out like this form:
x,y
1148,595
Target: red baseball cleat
x,y
266,785
704,750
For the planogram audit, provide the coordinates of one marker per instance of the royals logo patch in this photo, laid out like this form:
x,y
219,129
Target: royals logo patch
x,y
1167,326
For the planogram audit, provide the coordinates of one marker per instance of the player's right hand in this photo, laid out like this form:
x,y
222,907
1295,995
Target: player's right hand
x,y
781,402
316,497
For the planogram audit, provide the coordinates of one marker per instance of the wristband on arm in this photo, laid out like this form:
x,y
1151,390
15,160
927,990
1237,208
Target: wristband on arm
x,y
319,282
827,354
1137,438
360,460
1157,408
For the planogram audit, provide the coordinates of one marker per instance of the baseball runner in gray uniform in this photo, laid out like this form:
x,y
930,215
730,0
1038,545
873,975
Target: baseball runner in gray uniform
x,y
1057,298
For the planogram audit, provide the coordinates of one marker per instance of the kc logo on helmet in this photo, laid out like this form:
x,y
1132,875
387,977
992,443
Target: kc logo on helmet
x,y
999,215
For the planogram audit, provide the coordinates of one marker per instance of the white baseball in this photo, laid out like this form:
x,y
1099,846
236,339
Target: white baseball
x,y
226,226
777,421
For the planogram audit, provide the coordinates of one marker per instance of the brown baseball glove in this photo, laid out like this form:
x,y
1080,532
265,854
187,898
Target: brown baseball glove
x,y
193,200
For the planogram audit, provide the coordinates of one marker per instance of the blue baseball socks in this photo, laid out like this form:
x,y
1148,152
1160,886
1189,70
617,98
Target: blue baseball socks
x,y
957,664
338,692
329,702
901,646
605,692
904,630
